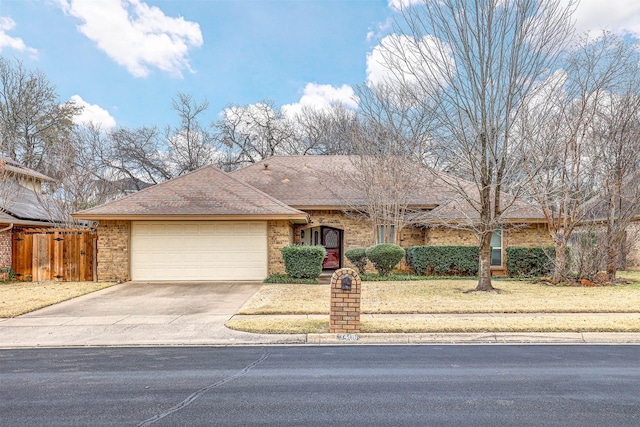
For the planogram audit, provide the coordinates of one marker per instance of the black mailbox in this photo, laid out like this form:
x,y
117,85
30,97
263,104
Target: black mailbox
x,y
346,283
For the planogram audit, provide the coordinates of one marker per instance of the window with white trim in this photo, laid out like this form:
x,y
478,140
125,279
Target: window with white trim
x,y
496,248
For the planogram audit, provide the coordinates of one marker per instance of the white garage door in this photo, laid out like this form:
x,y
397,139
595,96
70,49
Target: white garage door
x,y
198,250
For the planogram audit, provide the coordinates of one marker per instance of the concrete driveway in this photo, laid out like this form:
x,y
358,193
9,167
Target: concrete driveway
x,y
140,313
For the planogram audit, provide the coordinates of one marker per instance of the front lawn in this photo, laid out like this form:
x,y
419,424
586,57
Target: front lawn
x,y
529,306
449,296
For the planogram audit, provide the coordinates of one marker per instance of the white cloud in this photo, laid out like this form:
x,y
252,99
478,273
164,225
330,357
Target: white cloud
x,y
135,35
399,4
7,42
92,113
322,97
400,60
618,16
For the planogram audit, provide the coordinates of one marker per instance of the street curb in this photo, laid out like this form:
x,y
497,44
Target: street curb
x,y
478,338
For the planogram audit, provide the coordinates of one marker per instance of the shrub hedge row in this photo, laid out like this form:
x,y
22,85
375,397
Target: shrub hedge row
x,y
443,260
305,262
530,262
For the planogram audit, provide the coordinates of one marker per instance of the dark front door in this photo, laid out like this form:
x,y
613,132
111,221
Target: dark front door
x,y
331,240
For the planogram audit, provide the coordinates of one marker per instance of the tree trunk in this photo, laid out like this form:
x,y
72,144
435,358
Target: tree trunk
x,y
484,272
612,260
560,263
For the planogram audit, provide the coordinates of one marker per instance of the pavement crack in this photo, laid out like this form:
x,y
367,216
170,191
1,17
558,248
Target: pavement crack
x,y
194,396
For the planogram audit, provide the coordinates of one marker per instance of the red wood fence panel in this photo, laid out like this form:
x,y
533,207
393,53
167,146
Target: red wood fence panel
x,y
55,254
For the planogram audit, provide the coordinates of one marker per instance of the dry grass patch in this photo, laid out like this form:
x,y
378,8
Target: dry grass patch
x,y
578,323
288,299
18,298
533,323
448,296
280,326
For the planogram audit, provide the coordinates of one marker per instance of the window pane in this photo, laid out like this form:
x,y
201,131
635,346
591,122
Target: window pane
x,y
382,229
496,257
496,239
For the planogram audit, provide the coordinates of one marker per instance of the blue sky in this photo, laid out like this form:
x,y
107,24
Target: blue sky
x,y
125,59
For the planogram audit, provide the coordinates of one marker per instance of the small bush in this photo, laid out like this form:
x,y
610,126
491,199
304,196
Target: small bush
x,y
358,257
530,262
303,262
444,260
385,257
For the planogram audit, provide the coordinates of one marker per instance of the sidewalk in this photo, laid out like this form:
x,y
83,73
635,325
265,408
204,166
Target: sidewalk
x,y
208,329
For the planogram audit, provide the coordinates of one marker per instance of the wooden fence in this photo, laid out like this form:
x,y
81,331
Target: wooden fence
x,y
54,254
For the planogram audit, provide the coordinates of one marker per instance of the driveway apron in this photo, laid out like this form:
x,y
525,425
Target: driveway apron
x,y
140,313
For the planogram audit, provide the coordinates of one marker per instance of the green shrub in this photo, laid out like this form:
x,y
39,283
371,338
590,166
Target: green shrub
x,y
385,257
303,262
530,262
444,260
358,257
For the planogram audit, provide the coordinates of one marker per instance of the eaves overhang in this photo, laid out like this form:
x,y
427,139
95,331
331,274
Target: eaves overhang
x,y
301,218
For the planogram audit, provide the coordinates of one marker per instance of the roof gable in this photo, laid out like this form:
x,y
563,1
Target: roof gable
x,y
207,192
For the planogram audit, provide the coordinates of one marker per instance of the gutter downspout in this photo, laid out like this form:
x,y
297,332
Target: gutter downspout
x,y
6,228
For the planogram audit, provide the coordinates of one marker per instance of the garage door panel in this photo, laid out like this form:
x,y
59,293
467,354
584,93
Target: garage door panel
x,y
199,250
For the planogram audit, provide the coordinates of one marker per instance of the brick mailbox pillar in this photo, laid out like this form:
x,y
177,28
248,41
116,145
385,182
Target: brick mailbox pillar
x,y
345,302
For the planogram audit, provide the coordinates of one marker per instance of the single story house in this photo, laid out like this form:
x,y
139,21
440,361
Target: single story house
x,y
213,225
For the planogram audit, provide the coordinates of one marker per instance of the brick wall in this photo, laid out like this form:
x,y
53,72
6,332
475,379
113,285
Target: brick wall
x,y
358,233
113,250
279,235
5,248
530,235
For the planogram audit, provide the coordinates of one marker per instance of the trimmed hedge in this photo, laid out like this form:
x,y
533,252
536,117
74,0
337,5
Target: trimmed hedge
x,y
358,257
444,260
530,262
303,262
385,257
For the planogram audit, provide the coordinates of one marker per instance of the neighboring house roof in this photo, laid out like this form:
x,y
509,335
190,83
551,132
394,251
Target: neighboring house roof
x,y
23,202
21,205
307,182
207,193
16,168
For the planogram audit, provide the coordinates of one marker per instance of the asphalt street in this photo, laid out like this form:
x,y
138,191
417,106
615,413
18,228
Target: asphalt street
x,y
473,385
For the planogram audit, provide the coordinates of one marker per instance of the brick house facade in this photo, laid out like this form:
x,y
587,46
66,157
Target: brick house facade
x,y
289,197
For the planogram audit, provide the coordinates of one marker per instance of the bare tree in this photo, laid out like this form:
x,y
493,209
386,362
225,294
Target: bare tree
x,y
255,132
137,154
475,63
616,136
388,144
33,122
326,131
191,145
562,159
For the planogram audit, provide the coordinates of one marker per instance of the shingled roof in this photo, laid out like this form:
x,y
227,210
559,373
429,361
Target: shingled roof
x,y
322,182
307,182
207,193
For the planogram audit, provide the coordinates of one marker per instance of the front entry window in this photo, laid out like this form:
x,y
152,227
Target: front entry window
x,y
496,248
331,239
